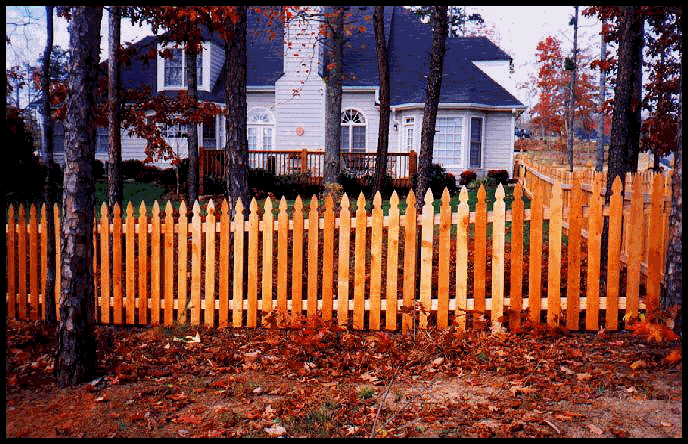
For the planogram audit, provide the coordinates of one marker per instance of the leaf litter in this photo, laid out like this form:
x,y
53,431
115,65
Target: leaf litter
x,y
324,380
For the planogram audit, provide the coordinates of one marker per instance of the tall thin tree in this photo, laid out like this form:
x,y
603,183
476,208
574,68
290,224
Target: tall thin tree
x,y
382,52
236,145
440,29
572,93
334,21
193,178
48,161
75,359
115,191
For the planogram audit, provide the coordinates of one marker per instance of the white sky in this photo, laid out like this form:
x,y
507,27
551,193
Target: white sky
x,y
520,28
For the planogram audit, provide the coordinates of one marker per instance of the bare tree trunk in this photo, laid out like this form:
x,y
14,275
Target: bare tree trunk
x,y
75,360
599,162
236,146
572,96
192,139
48,161
440,28
672,295
333,107
382,50
115,191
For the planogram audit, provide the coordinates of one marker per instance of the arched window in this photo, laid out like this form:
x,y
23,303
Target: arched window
x,y
261,129
353,131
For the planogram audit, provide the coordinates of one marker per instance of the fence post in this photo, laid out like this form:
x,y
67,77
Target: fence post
x,y
412,165
304,161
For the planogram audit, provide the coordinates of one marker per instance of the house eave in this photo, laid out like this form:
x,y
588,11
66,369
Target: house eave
x,y
463,107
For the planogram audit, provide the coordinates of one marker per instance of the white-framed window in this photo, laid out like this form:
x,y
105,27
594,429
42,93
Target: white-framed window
x,y
409,130
353,131
175,131
172,73
261,129
209,135
475,155
448,144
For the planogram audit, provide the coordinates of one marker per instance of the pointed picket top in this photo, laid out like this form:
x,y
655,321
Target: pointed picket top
x,y
463,197
143,211
360,203
253,206
481,193
298,206
616,186
182,209
377,201
268,205
196,210
428,198
518,191
283,205
329,202
410,199
314,203
499,194
210,208
116,211
445,197
239,209
156,208
103,210
169,211
394,200
130,209
344,202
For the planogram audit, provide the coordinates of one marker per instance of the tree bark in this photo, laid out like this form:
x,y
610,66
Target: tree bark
x,y
382,51
236,146
192,139
49,164
333,108
599,160
432,98
572,92
115,191
625,136
671,295
75,359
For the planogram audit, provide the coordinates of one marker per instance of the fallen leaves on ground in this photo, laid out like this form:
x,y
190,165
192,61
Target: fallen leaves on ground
x,y
329,381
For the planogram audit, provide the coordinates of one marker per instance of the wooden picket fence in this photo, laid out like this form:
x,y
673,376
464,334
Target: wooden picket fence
x,y
376,269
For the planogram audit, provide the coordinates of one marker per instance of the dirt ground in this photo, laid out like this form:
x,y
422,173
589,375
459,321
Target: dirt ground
x,y
324,381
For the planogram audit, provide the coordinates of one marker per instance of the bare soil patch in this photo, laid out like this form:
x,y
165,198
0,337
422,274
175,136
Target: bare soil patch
x,y
324,381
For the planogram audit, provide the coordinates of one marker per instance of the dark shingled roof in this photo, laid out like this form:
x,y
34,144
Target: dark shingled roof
x,y
409,40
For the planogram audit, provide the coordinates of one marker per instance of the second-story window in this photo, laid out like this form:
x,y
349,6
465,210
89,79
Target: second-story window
x,y
174,68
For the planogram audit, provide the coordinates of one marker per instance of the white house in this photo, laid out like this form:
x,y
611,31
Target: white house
x,y
286,92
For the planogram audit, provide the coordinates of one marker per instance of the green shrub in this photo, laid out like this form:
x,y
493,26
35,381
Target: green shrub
x,y
467,176
439,180
495,177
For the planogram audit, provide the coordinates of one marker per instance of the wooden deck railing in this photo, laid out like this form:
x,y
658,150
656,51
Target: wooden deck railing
x,y
400,166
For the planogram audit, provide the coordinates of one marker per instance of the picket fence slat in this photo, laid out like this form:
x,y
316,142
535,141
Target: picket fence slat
x,y
266,270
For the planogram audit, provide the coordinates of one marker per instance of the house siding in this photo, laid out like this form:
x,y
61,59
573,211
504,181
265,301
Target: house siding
x,y
498,142
300,105
217,60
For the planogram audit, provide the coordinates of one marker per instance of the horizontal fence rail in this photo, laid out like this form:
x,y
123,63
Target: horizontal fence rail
x,y
372,267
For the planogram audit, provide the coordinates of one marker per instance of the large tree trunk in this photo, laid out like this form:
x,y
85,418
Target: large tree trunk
x,y
333,107
75,360
192,81
625,136
382,51
671,295
48,162
236,146
432,98
115,191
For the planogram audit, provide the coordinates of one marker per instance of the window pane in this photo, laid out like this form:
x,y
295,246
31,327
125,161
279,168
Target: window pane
x,y
267,138
173,69
359,139
345,139
476,141
252,139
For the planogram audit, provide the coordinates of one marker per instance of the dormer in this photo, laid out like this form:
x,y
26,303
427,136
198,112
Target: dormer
x,y
171,72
